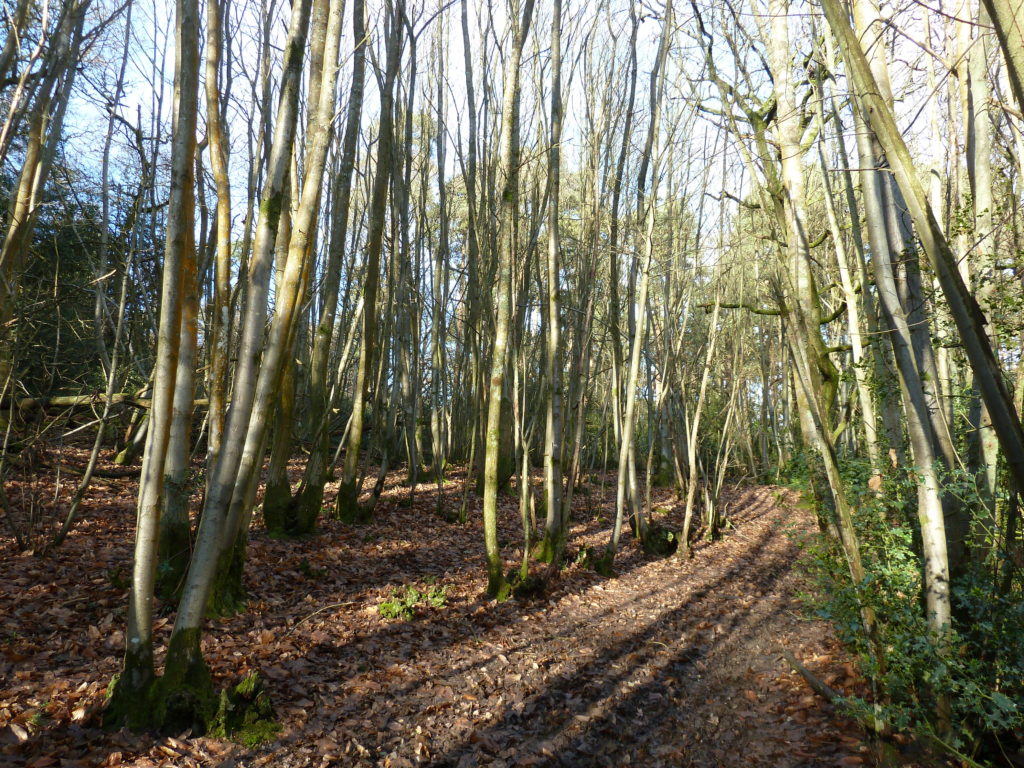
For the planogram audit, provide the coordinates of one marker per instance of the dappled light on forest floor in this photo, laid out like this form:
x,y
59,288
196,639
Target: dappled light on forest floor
x,y
672,662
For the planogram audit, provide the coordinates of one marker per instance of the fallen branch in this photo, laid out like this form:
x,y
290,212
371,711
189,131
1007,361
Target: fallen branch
x,y
81,401
73,469
817,685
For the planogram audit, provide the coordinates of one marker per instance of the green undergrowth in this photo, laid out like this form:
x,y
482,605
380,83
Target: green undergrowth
x,y
245,715
978,668
184,699
310,572
404,603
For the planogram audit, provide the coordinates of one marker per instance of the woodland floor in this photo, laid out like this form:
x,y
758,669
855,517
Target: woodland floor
x,y
672,663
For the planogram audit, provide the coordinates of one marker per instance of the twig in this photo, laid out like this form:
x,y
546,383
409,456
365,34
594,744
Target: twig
x,y
314,613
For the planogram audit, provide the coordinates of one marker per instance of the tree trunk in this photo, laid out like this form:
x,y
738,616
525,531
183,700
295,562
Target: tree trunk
x,y
305,508
347,505
554,532
520,20
129,702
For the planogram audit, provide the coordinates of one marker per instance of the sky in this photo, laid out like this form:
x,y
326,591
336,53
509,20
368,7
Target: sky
x,y
146,99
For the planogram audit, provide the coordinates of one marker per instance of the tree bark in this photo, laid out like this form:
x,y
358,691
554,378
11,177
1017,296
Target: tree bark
x,y
128,705
520,19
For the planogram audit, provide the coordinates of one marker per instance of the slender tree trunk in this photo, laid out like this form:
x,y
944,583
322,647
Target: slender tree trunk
x,y
129,703
438,287
347,506
307,503
1008,19
520,19
625,480
851,298
985,448
220,149
694,426
554,532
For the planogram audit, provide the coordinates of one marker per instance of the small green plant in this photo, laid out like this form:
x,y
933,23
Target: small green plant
x,y
110,688
403,603
117,580
307,570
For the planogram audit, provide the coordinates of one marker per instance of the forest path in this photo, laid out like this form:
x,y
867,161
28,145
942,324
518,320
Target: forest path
x,y
674,662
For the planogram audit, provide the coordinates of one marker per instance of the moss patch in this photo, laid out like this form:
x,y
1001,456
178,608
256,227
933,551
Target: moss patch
x,y
660,541
599,563
546,550
227,594
245,715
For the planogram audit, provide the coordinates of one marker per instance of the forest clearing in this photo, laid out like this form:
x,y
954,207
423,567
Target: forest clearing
x,y
512,382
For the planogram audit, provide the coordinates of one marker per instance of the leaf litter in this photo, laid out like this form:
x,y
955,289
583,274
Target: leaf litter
x,y
673,662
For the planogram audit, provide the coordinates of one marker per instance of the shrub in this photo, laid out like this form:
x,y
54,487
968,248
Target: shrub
x,y
980,668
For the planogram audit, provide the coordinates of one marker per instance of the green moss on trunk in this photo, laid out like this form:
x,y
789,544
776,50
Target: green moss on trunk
x,y
306,505
548,548
128,454
227,594
128,693
175,545
305,510
349,510
276,501
346,508
498,586
184,698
